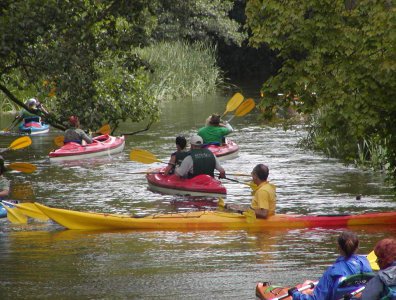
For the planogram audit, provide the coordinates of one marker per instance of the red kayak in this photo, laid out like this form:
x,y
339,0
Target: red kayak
x,y
102,146
225,151
201,185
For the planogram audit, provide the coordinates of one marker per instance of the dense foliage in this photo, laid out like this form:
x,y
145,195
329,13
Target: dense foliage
x,y
197,20
79,54
79,57
338,61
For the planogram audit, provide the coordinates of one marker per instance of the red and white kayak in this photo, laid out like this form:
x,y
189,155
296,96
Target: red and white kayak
x,y
201,185
227,150
102,145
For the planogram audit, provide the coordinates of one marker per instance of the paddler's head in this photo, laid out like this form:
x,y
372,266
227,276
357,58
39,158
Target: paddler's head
x,y
260,173
214,120
196,142
181,142
74,121
31,103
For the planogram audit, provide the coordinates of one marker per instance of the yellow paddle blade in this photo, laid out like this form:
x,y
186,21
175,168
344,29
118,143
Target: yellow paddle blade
x,y
250,215
143,156
32,211
245,107
22,167
20,143
105,129
220,203
372,258
59,140
233,103
15,216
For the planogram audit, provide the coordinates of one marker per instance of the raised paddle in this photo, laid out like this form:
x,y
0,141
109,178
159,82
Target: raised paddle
x,y
60,139
14,215
19,143
244,108
29,209
233,103
22,167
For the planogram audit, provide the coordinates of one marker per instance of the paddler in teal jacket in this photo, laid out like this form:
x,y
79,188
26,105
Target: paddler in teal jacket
x,y
348,263
200,161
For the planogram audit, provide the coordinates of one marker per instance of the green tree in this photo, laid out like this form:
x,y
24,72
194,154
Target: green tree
x,y
76,57
194,20
338,57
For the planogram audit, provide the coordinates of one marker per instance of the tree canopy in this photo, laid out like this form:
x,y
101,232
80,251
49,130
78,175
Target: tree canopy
x,y
338,58
78,55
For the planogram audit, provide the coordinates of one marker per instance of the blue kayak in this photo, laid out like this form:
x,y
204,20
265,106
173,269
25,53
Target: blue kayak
x,y
34,127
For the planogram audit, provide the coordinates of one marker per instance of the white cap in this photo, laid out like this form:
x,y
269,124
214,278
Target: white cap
x,y
31,102
196,140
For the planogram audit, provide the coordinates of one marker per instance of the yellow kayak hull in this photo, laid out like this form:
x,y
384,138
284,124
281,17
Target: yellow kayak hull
x,y
204,220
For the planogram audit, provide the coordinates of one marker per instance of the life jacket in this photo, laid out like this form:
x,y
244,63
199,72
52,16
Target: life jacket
x,y
180,155
204,162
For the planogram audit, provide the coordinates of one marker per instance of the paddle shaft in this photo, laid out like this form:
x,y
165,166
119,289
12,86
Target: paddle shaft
x,y
303,288
350,295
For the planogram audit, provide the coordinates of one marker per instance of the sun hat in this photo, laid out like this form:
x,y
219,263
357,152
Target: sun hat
x,y
196,140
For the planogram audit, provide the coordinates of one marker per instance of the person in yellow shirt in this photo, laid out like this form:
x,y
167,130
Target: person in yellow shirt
x,y
264,197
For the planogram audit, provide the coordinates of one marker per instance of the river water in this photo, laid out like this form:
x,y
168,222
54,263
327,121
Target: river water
x,y
41,260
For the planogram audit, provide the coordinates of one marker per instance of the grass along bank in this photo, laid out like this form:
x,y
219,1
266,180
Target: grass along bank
x,y
182,69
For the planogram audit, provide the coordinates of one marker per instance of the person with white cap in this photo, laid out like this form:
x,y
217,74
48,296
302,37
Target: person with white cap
x,y
199,161
27,115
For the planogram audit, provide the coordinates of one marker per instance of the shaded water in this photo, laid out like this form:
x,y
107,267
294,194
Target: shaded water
x,y
43,261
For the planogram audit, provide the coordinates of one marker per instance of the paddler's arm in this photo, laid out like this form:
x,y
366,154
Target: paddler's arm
x,y
171,164
85,137
261,213
185,167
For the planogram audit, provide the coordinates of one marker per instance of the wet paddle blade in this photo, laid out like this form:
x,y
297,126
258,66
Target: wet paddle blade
x,y
29,209
143,156
105,129
220,203
20,143
245,107
233,103
250,215
14,215
372,258
22,167
59,140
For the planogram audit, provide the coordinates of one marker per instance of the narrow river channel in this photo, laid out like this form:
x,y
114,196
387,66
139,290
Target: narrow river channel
x,y
44,261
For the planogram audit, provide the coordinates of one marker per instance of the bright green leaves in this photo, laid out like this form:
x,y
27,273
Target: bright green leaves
x,y
339,59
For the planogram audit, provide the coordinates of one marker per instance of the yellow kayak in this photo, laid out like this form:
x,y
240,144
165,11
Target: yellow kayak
x,y
216,220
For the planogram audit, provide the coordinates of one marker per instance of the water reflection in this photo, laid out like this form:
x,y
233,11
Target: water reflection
x,y
41,260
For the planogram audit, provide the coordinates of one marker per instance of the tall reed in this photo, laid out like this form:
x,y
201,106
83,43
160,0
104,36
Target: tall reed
x,y
182,69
